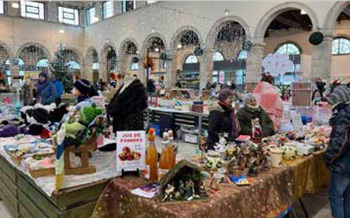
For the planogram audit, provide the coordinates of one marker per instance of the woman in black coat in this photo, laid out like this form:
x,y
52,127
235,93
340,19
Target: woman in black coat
x,y
222,119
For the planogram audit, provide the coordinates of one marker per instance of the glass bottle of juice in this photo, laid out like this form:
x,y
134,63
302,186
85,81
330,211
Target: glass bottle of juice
x,y
170,148
164,157
151,157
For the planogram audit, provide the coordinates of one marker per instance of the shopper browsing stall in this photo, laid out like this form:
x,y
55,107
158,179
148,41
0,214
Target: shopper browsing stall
x,y
84,90
337,156
46,90
269,100
250,113
222,118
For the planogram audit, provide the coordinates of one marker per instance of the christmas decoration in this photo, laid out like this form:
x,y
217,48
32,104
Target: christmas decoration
x,y
60,70
316,38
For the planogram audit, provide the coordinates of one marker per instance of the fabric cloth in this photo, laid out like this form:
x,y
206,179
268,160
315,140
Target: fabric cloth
x,y
128,106
337,156
247,114
46,93
339,195
341,94
221,120
59,88
268,195
270,101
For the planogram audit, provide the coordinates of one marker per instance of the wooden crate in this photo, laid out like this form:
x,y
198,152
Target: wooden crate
x,y
24,198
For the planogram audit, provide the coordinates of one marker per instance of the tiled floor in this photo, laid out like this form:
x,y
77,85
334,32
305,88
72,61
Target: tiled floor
x,y
316,205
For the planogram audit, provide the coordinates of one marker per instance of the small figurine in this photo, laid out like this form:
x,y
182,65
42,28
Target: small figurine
x,y
188,191
253,167
202,191
178,195
182,188
213,182
169,193
257,134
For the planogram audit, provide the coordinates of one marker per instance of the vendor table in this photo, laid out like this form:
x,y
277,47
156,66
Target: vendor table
x,y
181,118
268,195
24,198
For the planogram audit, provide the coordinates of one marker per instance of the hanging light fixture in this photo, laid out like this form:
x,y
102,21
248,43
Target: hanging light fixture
x,y
15,5
303,12
179,46
226,12
156,49
61,31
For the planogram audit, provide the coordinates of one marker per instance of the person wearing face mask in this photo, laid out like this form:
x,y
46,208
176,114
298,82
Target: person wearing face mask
x,y
222,118
46,90
251,111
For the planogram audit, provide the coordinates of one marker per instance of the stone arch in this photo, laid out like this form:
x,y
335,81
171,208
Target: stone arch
x,y
145,42
7,48
43,48
77,52
87,53
124,42
332,16
174,38
211,37
276,11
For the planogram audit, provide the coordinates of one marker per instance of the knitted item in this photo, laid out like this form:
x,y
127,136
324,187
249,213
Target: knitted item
x,y
83,86
340,94
88,114
73,128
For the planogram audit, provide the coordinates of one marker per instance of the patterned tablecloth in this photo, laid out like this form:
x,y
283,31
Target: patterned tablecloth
x,y
269,194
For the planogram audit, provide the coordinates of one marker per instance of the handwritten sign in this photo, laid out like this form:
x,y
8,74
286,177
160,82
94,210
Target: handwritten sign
x,y
131,150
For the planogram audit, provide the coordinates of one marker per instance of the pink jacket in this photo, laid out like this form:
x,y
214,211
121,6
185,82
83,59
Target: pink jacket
x,y
270,101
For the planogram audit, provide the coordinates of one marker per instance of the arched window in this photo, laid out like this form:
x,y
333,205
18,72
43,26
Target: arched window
x,y
95,66
341,46
191,59
288,49
43,63
243,55
134,66
73,65
218,57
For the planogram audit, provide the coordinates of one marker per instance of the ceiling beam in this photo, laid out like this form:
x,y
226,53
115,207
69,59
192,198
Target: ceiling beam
x,y
288,22
346,11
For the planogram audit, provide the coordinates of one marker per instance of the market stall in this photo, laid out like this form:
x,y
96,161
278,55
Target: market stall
x,y
268,195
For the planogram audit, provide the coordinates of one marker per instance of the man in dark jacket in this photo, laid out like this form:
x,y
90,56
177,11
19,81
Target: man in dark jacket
x,y
222,119
46,90
337,156
251,111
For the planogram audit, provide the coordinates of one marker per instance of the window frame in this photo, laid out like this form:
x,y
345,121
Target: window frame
x,y
2,7
216,55
24,12
124,6
104,11
340,38
88,17
76,10
190,56
289,43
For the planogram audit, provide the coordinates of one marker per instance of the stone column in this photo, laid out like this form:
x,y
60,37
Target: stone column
x,y
142,71
321,61
206,67
254,63
171,69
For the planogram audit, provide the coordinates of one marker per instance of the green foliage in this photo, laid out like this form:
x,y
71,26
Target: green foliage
x,y
284,89
60,70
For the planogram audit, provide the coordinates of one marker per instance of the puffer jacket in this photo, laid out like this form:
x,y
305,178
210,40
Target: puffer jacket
x,y
47,93
220,121
246,115
337,156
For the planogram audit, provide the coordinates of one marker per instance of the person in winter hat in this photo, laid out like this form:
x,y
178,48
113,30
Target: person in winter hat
x,y
222,118
84,90
250,112
337,156
47,93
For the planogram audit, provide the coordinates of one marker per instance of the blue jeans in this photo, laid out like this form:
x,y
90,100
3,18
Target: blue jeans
x,y
339,195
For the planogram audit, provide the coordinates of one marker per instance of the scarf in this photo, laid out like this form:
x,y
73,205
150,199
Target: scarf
x,y
232,113
82,98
